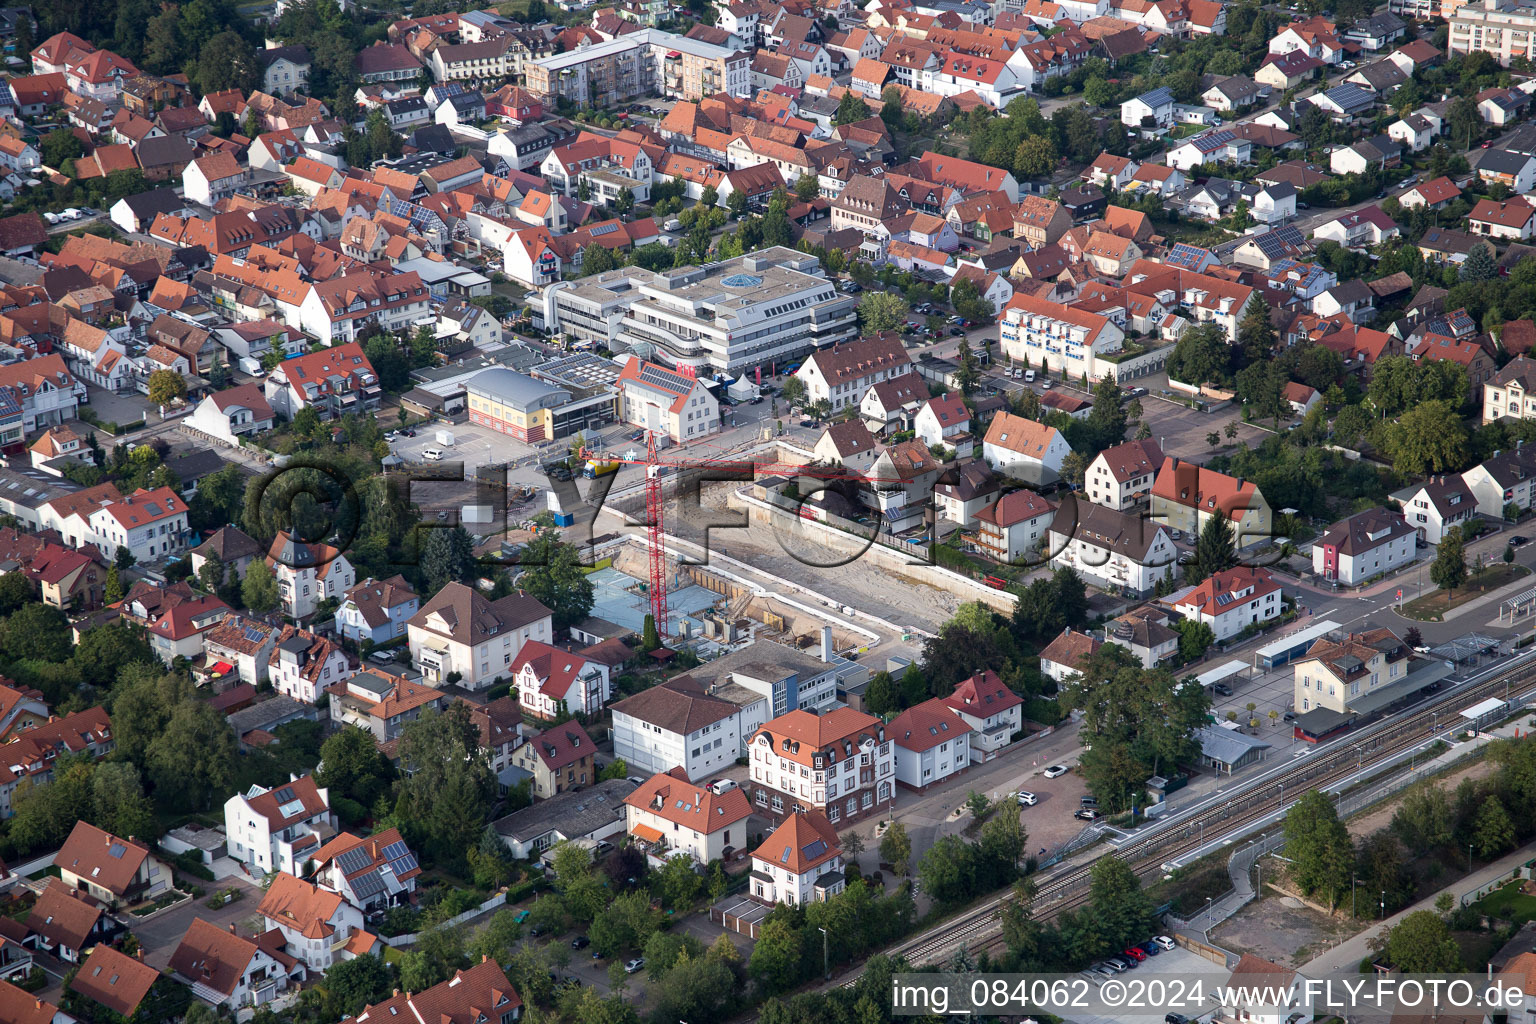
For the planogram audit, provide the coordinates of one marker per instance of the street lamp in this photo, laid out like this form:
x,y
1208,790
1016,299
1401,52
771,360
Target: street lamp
x,y
826,969
1208,909
1383,904
1354,903
1469,858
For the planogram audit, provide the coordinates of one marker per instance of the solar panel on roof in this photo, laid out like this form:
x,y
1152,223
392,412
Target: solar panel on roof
x,y
396,850
815,849
116,851
364,886
603,229
286,793
403,864
353,860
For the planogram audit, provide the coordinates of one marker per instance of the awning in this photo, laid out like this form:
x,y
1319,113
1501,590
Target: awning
x,y
645,832
221,667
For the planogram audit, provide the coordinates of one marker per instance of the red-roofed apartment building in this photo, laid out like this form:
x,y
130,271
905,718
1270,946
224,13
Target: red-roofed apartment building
x,y
932,744
1232,600
671,815
667,402
333,380
850,768
278,829
550,680
31,755
149,524
840,375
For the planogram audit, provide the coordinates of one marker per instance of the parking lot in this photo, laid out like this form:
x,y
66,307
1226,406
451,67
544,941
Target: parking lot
x,y
1181,431
1171,967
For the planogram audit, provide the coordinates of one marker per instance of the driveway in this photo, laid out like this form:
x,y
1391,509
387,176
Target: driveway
x,y
161,934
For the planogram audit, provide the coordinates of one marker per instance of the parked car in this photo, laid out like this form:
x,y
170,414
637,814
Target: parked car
x,y
1518,539
1165,942
1135,953
580,942
1175,1018
1046,385
1289,716
1150,948
1027,799
1056,771
1223,689
1029,376
634,965
1086,814
1088,801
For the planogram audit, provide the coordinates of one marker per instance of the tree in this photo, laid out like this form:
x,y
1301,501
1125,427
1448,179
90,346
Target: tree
x,y
105,651
850,108
447,556
615,769
1493,830
555,576
211,575
1449,569
1074,466
968,372
1428,438
793,392
776,958
624,202
1322,856
166,386
1479,265
352,766
650,640
1195,638
1215,549
1256,334
598,259
1035,157
443,800
259,588
194,758
948,869
227,62
351,985
1421,943
880,697
37,632
1199,356
1117,901
123,558
896,848
883,311
806,188
59,146
113,591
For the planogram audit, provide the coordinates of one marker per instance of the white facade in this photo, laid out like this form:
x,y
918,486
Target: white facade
x,y
648,748
1234,600
161,534
253,841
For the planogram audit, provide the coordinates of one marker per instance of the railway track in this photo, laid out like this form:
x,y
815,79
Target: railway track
x,y
1069,888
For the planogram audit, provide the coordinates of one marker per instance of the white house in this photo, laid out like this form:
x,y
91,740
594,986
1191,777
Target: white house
x,y
669,403
229,970
994,713
790,865
1254,975
669,815
278,829
1110,549
1506,478
318,926
550,681
942,420
1065,656
1232,600
302,664
369,873
233,413
1436,505
1013,526
676,725
1016,446
307,574
932,744
840,375
377,611
150,524
1122,476
1275,203
1416,132
1366,545
210,179
463,633
1157,104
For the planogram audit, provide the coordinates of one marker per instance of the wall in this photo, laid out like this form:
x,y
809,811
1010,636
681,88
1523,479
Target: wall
x,y
490,904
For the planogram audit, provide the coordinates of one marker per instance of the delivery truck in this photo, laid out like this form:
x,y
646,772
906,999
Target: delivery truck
x,y
597,467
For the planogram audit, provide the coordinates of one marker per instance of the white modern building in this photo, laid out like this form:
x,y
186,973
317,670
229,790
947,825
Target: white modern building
x,y
1119,552
932,744
676,725
277,829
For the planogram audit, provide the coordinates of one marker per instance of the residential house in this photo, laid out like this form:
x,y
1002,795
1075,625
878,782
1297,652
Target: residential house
x,y
228,970
943,421
308,574
842,374
1436,505
233,413
800,862
369,872
381,703
1516,171
668,815
1185,496
1121,477
1365,545
932,744
1432,194
1016,446
117,872
113,980
278,828
667,402
463,633
961,494
1510,220
149,524
558,759
479,995
1117,551
849,752
994,713
66,922
1014,527
551,682
377,611
318,926
303,665
1152,109
1065,656
1232,601
677,725
231,546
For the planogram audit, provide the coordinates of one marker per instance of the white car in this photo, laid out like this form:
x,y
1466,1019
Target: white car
x,y
1056,771
1165,942
1029,376
1027,799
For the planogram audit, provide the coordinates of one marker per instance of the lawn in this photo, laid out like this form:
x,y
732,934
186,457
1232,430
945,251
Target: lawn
x,y
1432,607
1508,904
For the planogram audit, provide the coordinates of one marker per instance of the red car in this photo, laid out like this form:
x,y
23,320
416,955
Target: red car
x,y
1135,954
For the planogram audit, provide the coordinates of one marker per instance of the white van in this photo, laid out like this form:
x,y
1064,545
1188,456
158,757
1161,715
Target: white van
x,y
432,454
1029,376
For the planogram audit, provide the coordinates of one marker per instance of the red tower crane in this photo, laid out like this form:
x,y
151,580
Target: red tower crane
x,y
655,499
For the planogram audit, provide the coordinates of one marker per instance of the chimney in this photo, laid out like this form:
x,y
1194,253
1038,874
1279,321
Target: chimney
x,y
826,644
